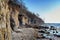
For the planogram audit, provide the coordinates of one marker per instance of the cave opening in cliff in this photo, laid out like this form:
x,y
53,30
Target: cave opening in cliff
x,y
20,20
12,23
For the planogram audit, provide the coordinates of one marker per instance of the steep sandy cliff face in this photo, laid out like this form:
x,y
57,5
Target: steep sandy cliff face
x,y
14,12
9,23
4,21
14,19
10,13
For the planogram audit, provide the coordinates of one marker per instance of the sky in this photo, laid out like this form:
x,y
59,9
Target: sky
x,y
48,10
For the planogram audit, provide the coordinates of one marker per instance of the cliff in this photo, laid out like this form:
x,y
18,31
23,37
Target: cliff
x,y
12,16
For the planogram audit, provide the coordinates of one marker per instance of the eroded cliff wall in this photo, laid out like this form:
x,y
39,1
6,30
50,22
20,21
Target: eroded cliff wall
x,y
9,23
5,21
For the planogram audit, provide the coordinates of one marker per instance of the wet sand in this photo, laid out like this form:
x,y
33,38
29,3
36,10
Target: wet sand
x,y
55,38
42,39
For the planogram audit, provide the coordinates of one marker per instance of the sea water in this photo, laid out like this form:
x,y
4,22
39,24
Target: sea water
x,y
53,24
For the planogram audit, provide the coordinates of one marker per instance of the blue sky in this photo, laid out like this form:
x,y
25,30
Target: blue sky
x,y
45,8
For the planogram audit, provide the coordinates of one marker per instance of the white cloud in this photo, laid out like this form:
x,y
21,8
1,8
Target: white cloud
x,y
53,17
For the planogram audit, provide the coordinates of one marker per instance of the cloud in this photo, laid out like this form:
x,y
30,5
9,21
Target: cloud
x,y
53,17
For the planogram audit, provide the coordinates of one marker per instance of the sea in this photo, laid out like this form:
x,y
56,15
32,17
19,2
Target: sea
x,y
53,24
